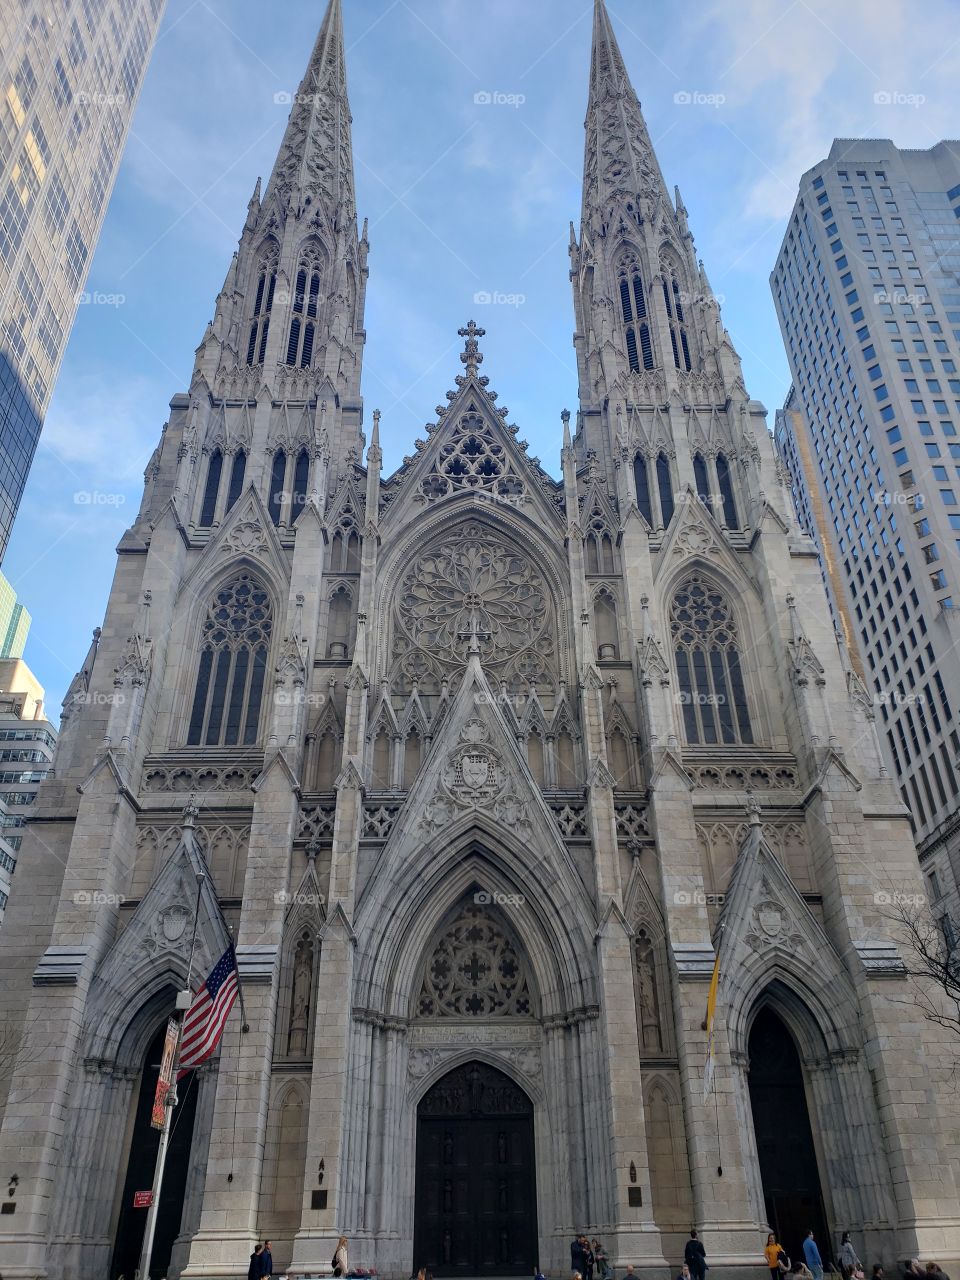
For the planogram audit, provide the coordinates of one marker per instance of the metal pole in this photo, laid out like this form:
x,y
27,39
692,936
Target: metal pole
x,y
184,1000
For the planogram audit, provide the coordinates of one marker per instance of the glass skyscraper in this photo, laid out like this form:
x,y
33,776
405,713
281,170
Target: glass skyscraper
x,y
867,290
69,80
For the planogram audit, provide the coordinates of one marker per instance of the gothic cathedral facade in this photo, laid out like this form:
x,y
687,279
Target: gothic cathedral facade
x,y
484,769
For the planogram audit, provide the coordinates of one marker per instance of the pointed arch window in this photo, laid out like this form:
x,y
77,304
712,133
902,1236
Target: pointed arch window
x,y
641,477
237,472
606,630
293,342
278,475
709,674
701,478
679,340
665,489
725,481
208,508
301,478
234,647
303,333
262,307
633,312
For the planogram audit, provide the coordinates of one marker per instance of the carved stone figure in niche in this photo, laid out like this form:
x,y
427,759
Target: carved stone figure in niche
x,y
302,988
647,1002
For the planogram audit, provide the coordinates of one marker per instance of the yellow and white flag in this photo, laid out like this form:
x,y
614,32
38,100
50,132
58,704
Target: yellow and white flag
x,y
711,1015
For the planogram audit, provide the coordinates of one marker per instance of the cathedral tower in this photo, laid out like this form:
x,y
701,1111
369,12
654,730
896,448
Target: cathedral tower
x,y
483,769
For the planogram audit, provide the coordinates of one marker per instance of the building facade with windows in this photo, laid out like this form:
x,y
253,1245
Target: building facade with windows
x,y
27,744
69,81
486,769
867,289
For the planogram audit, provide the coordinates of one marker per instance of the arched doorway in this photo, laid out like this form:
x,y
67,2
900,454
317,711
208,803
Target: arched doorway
x,y
476,1201
140,1171
788,1159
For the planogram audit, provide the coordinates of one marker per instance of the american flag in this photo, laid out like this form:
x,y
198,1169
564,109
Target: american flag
x,y
207,1015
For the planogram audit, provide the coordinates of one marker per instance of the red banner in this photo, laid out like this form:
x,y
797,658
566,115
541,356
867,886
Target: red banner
x,y
157,1119
142,1199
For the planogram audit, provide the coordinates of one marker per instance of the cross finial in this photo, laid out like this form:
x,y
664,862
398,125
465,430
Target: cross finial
x,y
471,356
473,634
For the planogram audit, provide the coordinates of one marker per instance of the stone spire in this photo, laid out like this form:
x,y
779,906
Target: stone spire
x,y
315,162
620,165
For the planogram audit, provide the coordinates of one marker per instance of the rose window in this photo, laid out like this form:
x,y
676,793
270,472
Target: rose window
x,y
474,972
472,582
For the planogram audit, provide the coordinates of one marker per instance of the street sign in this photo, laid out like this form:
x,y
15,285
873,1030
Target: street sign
x,y
142,1199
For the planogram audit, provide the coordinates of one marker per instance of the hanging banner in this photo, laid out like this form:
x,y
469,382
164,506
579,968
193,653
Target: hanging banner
x,y
142,1199
166,1075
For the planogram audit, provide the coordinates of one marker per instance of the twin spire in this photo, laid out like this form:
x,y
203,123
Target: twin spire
x,y
315,162
620,166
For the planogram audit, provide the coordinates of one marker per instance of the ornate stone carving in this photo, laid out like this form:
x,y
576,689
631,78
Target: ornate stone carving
x,y
472,575
474,776
301,993
200,779
378,820
631,823
475,1089
740,778
772,926
316,822
648,1004
571,819
475,971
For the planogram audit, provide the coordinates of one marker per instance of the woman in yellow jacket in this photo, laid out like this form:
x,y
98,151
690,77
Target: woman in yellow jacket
x,y
773,1253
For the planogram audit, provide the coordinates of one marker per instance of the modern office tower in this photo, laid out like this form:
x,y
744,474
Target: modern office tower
x,y
69,80
867,289
14,622
487,768
27,742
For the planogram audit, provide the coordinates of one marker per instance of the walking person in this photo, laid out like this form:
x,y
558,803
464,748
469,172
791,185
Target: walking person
x,y
777,1260
588,1259
811,1256
849,1262
266,1260
695,1256
255,1269
340,1265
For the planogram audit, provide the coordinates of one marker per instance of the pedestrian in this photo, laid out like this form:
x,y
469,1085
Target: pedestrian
x,y
255,1271
849,1262
340,1266
878,1272
601,1260
811,1256
588,1259
266,1260
576,1254
798,1269
695,1256
936,1272
684,1273
777,1260
538,1274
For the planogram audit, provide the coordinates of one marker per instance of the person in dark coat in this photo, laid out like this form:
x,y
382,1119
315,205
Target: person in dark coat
x,y
254,1271
695,1256
588,1259
266,1260
576,1255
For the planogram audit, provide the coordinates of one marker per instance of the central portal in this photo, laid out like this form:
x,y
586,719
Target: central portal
x,y
476,1202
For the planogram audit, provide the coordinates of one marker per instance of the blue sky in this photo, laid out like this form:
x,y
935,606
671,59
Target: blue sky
x,y
463,198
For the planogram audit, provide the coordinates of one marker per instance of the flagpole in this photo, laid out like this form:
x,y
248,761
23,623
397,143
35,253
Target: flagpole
x,y
184,999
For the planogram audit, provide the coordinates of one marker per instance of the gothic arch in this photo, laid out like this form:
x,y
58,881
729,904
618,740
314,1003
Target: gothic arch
x,y
422,1085
741,595
409,907
514,530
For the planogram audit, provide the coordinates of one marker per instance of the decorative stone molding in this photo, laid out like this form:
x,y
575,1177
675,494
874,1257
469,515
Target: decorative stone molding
x,y
315,822
200,779
256,962
880,959
694,961
571,819
59,967
378,820
475,776
631,823
742,778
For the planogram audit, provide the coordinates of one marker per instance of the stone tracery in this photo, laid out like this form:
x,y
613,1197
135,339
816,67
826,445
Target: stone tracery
x,y
475,971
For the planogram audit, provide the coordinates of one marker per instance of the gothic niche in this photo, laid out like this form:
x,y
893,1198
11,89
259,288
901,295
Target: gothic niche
x,y
648,1004
472,578
475,971
301,993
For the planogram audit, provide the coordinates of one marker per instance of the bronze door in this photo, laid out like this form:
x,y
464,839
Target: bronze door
x,y
476,1208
